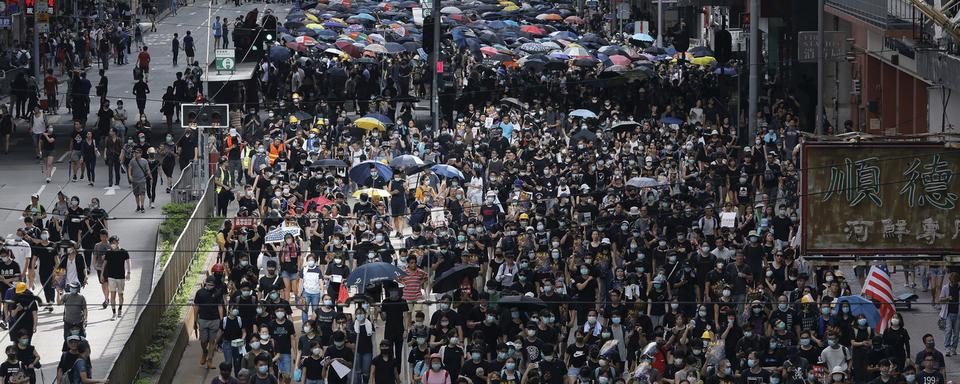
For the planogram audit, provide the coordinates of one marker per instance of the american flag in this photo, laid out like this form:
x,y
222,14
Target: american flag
x,y
878,287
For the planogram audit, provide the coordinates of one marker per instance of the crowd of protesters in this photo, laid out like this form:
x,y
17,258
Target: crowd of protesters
x,y
598,225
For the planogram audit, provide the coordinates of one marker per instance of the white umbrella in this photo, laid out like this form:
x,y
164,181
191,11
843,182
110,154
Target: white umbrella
x,y
451,10
642,182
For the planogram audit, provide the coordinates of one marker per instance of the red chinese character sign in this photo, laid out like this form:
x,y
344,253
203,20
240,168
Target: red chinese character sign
x,y
879,199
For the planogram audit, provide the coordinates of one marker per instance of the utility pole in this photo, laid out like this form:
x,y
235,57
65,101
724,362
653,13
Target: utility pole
x,y
36,43
754,92
820,43
434,59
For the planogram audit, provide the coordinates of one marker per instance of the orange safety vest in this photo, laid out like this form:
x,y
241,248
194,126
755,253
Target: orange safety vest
x,y
275,151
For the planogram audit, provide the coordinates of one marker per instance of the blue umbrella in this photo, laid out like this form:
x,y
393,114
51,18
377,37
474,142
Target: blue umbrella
x,y
583,113
383,119
565,35
447,171
642,37
373,273
729,71
361,172
671,120
860,305
279,53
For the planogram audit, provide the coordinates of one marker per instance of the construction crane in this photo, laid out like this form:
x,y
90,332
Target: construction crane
x,y
937,16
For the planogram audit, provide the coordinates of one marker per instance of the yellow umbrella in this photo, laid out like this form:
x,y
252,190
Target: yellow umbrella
x,y
369,123
705,60
372,192
511,8
311,17
314,26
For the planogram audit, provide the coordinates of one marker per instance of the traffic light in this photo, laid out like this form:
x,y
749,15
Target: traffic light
x,y
428,34
205,115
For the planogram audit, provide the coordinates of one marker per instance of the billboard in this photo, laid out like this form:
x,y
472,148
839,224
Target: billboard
x,y
879,199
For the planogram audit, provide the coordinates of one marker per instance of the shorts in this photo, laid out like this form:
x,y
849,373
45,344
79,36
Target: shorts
x,y
284,364
573,372
209,329
139,188
115,285
75,155
46,153
289,275
937,271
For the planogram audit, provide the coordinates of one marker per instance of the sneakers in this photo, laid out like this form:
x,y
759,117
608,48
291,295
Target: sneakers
x,y
105,303
74,178
151,205
48,180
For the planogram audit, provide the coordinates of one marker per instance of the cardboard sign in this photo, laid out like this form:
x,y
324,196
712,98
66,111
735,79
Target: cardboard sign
x,y
728,219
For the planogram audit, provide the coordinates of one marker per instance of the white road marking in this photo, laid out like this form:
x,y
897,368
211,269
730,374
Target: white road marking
x,y
52,172
192,13
39,191
64,155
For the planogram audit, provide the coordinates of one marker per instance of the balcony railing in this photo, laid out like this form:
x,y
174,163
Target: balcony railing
x,y
884,14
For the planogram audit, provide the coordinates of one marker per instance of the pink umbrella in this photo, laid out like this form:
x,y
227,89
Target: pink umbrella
x,y
299,47
306,40
489,51
620,60
533,30
573,20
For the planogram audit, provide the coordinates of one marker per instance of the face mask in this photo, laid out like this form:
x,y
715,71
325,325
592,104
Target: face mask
x,y
475,356
274,295
774,380
264,336
255,345
584,271
244,263
307,329
747,333
751,363
510,366
531,332
338,261
616,320
805,342
910,378
825,310
259,311
501,355
263,368
235,312
605,335
328,303
773,345
838,378
361,317
894,322
862,322
338,344
444,306
44,236
831,342
726,293
674,306
592,319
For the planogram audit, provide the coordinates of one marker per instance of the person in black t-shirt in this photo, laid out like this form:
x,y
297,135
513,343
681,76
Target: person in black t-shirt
x,y
338,353
282,332
207,309
385,367
312,364
116,269
12,371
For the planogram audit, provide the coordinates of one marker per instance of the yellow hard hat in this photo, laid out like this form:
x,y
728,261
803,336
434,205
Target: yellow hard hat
x,y
293,120
315,130
21,287
296,95
524,216
806,299
707,335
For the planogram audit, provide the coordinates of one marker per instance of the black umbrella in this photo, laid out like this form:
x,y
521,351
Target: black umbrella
x,y
451,278
522,302
511,101
373,273
625,126
584,135
328,163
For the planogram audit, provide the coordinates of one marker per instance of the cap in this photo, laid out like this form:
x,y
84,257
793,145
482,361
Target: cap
x,y
73,338
436,356
606,240
293,120
211,280
21,287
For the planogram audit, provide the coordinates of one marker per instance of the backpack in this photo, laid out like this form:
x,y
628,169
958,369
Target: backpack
x,y
22,58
